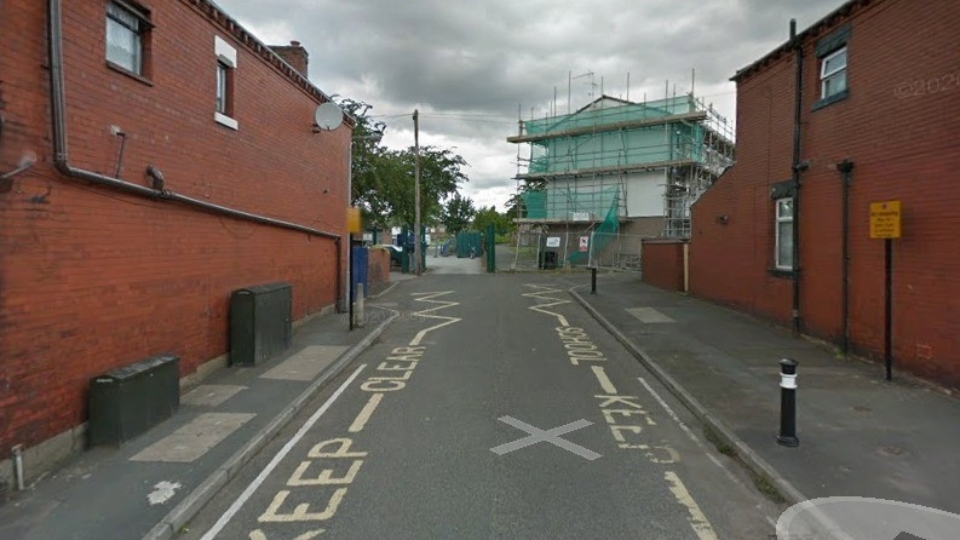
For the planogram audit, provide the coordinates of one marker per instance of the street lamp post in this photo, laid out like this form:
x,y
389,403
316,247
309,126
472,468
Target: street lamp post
x,y
416,197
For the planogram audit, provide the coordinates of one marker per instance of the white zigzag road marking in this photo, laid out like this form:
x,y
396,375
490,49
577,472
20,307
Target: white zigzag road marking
x,y
429,297
542,295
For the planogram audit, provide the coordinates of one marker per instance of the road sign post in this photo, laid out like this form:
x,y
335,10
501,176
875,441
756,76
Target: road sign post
x,y
886,224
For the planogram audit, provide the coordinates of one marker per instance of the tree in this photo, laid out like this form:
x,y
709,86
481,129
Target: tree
x,y
458,213
490,216
383,179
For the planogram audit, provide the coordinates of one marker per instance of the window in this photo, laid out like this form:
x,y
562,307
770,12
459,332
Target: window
x,y
225,112
223,80
833,73
784,233
127,31
833,55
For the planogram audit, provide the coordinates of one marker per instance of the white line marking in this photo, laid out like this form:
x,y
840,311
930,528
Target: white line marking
x,y
428,297
605,381
258,535
247,493
687,430
365,413
698,521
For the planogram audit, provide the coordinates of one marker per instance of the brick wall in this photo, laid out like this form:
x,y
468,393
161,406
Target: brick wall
x,y
92,279
663,263
898,127
379,270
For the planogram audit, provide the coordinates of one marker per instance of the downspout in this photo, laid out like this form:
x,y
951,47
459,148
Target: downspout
x,y
62,161
846,168
797,168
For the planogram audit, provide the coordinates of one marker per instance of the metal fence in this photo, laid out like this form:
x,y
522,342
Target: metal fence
x,y
570,250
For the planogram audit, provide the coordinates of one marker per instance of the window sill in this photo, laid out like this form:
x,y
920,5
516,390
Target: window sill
x,y
826,102
780,273
226,121
124,71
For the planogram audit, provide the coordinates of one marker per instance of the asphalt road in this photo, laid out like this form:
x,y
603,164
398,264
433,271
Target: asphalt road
x,y
418,437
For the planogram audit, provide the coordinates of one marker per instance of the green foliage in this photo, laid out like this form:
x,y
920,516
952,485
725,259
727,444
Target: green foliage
x,y
485,217
384,179
458,213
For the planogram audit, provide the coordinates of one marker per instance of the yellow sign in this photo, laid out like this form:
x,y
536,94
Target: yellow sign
x,y
353,220
885,219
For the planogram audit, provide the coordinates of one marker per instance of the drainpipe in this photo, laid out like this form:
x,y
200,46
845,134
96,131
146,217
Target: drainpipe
x,y
846,168
798,167
62,161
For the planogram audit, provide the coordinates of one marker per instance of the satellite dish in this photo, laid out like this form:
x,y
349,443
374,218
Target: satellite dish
x,y
328,116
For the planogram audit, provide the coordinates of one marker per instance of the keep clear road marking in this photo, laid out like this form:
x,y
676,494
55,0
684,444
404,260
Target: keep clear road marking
x,y
605,381
543,290
429,298
247,493
697,520
365,413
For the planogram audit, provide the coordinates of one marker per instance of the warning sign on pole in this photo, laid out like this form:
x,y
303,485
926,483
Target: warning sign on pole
x,y
584,243
885,218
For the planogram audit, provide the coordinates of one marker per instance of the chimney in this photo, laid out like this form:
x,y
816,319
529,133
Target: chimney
x,y
293,54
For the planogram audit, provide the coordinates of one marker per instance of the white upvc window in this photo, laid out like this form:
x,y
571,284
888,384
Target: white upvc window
x,y
833,73
784,233
225,111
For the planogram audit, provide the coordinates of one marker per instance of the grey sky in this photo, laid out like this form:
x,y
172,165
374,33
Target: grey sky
x,y
468,65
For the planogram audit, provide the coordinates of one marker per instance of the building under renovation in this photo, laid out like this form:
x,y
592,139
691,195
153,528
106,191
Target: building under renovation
x,y
622,167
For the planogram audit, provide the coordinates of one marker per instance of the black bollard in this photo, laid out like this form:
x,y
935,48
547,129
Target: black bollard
x,y
593,280
788,403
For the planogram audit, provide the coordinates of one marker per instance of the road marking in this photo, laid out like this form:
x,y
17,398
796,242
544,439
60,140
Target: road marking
x,y
210,395
605,381
163,492
551,436
429,297
310,535
306,364
555,302
193,440
365,413
247,493
649,315
698,521
684,427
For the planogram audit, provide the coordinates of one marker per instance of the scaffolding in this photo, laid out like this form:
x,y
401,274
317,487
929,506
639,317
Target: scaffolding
x,y
584,159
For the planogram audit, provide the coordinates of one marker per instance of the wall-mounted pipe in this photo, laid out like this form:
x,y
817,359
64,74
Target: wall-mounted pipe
x,y
846,168
797,168
18,467
62,161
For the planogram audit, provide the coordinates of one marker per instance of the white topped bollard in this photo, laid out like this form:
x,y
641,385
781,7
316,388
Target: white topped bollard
x,y
788,403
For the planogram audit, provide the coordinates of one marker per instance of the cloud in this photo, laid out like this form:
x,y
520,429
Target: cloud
x,y
469,66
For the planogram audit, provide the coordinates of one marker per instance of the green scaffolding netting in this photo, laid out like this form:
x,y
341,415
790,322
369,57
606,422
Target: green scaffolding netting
x,y
605,233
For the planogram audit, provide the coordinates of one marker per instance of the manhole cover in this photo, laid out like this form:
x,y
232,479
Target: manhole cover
x,y
861,408
891,451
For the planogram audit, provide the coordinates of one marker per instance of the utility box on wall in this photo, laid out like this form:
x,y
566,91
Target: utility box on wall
x,y
261,322
130,400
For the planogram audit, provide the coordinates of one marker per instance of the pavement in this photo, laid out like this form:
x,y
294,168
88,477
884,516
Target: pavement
x,y
860,435
152,484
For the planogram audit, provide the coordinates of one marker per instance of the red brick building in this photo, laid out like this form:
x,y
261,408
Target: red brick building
x,y
878,84
176,160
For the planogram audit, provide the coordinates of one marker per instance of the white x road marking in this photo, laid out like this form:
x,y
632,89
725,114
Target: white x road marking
x,y
538,435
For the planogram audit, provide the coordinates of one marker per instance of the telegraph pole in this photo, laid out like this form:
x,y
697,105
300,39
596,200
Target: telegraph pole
x,y
416,197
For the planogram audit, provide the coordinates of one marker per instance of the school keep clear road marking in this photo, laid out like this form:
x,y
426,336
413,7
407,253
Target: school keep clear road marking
x,y
605,381
247,493
367,411
542,294
698,520
429,298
